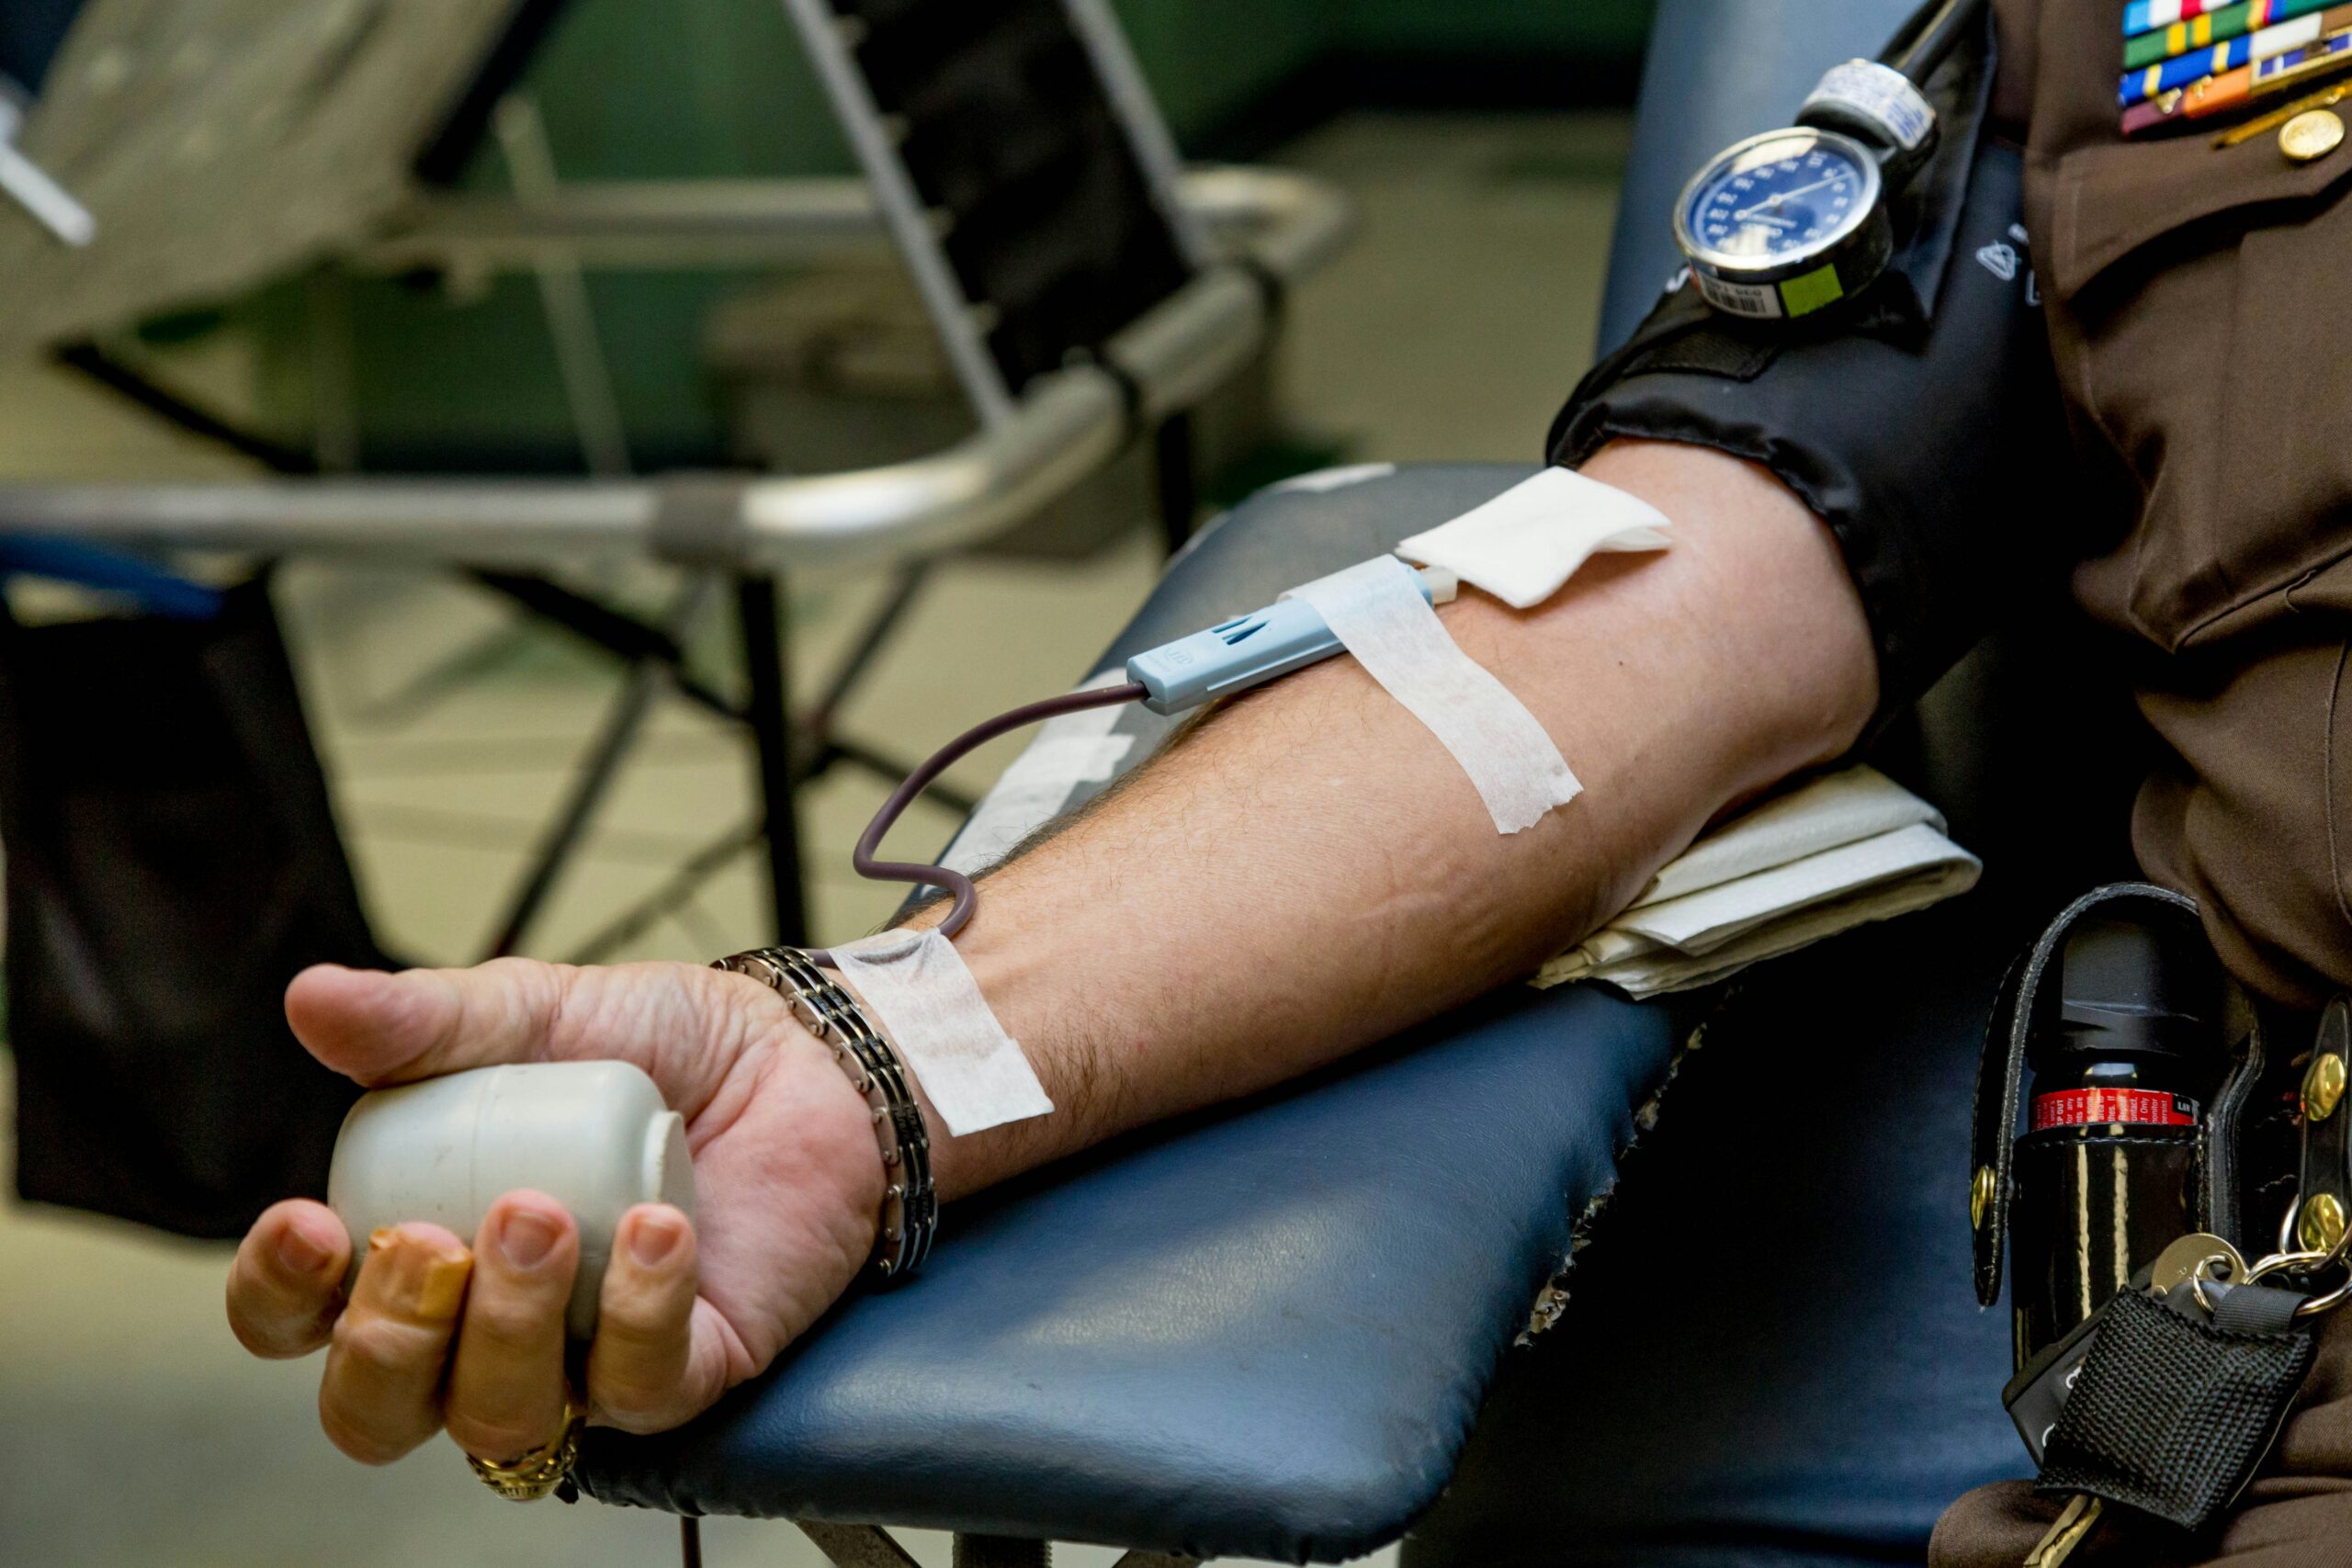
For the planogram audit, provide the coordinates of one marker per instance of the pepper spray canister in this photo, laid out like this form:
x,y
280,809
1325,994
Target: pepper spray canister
x,y
2124,1049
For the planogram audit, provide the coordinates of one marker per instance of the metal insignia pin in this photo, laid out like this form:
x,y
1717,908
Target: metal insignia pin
x,y
2311,135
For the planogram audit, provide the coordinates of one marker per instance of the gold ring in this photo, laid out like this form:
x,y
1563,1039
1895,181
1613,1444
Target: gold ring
x,y
536,1473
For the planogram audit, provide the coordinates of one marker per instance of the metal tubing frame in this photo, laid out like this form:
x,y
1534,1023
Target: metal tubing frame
x,y
1292,221
759,612
1067,426
829,40
1282,226
1138,114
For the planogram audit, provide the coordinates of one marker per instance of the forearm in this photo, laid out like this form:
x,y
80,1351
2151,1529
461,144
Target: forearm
x,y
1310,871
1305,874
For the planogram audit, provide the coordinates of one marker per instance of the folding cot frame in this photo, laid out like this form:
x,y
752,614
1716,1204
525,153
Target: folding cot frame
x,y
1244,235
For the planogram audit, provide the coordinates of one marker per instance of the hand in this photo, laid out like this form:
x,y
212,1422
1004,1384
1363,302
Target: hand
x,y
468,1332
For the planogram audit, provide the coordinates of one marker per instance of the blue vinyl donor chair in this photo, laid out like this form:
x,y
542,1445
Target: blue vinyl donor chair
x,y
1269,1331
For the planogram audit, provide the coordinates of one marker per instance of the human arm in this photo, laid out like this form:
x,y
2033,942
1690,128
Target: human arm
x,y
1303,875
1310,871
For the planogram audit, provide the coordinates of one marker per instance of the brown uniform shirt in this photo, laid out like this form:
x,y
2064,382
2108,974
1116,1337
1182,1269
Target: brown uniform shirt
x,y
2203,337
2202,334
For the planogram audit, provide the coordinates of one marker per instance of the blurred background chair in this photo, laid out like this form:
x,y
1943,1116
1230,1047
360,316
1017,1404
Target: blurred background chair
x,y
1062,274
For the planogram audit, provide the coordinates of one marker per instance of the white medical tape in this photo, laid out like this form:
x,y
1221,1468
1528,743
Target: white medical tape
x,y
1069,751
1378,613
1521,546
918,989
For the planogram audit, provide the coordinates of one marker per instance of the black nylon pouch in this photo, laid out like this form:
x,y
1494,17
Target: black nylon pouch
x,y
2170,1414
171,863
2111,1220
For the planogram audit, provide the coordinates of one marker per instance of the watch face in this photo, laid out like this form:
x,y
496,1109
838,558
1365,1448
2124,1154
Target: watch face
x,y
1780,199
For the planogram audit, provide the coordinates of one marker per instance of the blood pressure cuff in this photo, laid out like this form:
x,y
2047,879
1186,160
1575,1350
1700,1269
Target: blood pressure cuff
x,y
1934,442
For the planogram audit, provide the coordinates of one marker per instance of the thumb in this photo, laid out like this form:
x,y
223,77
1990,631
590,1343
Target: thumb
x,y
380,1027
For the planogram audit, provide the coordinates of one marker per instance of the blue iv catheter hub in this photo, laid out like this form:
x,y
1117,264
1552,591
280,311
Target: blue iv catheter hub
x,y
1248,651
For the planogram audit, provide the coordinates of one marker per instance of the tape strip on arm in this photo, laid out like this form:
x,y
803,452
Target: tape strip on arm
x,y
916,985
1377,611
1938,454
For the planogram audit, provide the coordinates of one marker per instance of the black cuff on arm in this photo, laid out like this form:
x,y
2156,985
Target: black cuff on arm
x,y
1929,445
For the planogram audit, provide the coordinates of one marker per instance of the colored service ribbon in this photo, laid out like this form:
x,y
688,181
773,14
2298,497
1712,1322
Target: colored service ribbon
x,y
2146,16
2183,71
2218,27
2210,95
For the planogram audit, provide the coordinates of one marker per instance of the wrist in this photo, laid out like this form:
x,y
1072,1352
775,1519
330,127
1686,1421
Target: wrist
x,y
964,1165
878,1142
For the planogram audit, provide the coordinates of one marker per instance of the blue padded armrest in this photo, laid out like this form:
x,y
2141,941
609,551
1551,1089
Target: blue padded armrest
x,y
1264,1332
1718,69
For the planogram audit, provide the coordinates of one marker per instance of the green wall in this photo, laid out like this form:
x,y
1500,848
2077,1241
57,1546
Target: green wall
x,y
1209,60
650,89
1495,28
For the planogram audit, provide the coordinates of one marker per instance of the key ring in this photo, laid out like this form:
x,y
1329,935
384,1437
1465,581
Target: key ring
x,y
2302,1262
2198,1276
2288,1227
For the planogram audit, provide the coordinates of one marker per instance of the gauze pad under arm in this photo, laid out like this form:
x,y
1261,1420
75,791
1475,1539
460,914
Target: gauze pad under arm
x,y
1377,611
918,988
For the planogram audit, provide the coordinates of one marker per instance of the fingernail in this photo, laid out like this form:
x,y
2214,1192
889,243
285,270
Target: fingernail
x,y
526,1238
653,1240
297,1253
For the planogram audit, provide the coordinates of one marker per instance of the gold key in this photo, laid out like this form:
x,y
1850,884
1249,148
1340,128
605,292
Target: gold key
x,y
2326,97
2079,1518
2192,1258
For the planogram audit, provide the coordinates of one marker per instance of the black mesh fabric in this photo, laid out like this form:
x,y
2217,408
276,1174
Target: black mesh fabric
x,y
2171,1414
1009,132
171,863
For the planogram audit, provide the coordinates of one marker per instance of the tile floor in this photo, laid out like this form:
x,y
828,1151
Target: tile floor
x,y
1450,331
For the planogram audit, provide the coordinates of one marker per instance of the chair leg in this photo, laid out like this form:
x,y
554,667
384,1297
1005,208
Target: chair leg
x,y
856,1546
759,603
648,678
1002,1551
818,722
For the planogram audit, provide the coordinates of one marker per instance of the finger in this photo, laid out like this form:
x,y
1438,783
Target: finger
x,y
649,1369
286,1285
380,1396
507,1388
381,1028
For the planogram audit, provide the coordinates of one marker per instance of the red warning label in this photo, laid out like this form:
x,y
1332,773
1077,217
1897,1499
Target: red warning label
x,y
2126,1107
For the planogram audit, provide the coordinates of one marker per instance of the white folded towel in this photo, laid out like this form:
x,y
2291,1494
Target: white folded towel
x,y
1838,852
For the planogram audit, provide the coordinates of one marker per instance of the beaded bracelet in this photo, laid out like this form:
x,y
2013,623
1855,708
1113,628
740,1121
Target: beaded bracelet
x,y
910,1204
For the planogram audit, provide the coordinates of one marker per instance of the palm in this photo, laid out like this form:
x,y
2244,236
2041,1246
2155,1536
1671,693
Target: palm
x,y
787,1184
